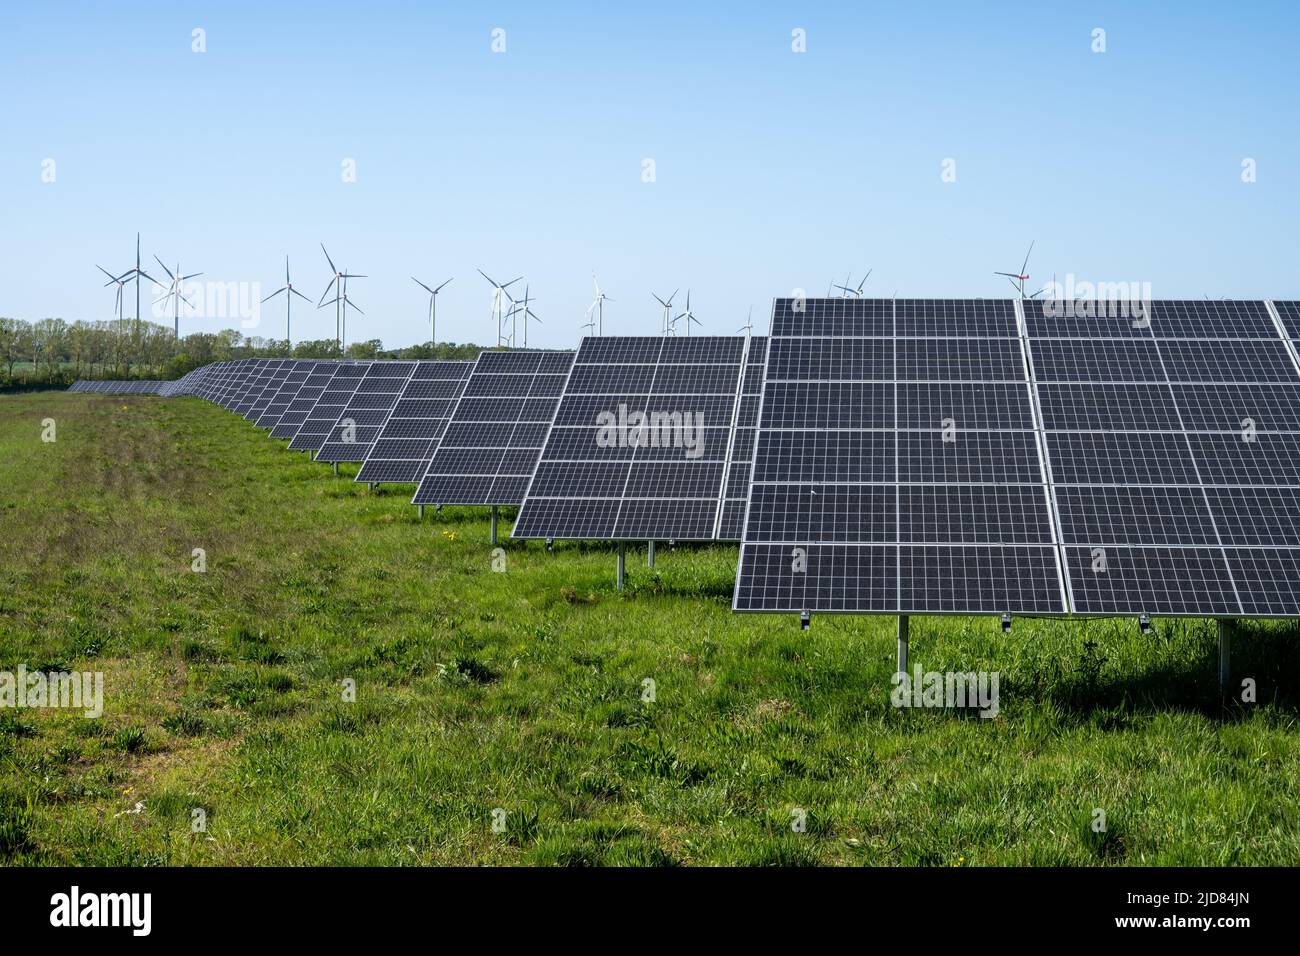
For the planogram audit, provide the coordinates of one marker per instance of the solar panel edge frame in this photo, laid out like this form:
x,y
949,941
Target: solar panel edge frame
x,y
727,462
753,461
1287,341
559,400
1044,457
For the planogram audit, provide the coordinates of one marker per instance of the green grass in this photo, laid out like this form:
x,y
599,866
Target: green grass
x,y
522,690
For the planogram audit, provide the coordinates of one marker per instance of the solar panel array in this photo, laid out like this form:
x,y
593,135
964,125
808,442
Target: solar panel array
x,y
121,387
989,456
406,440
638,448
497,428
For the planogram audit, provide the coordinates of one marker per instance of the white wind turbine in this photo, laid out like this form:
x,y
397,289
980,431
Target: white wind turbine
x,y
174,290
748,327
499,294
433,308
688,315
290,292
599,306
521,307
668,310
851,292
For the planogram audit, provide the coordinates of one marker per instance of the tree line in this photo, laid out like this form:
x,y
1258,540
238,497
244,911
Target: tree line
x,y
53,352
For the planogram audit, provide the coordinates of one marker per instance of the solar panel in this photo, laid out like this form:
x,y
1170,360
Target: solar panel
x,y
897,465
320,421
496,431
119,387
294,378
1288,313
279,369
406,441
304,400
638,449
361,421
240,383
264,374
1172,449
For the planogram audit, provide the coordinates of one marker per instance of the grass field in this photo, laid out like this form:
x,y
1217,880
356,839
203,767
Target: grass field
x,y
522,690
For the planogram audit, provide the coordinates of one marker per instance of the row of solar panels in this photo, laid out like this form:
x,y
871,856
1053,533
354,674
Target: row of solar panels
x,y
886,456
124,387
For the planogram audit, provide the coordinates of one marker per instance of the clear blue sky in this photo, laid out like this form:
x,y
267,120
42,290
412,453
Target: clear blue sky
x,y
774,170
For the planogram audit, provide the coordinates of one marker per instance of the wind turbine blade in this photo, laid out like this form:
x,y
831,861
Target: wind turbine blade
x,y
489,278
293,291
659,300
112,278
353,304
1027,255
439,289
165,269
275,293
421,285
327,289
333,268
511,282
192,275
145,275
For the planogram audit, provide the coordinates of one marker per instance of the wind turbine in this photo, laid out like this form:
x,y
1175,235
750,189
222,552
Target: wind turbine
x,y
433,309
120,282
849,291
337,279
1018,279
668,309
688,315
137,273
290,292
499,292
599,306
748,327
342,301
175,290
522,308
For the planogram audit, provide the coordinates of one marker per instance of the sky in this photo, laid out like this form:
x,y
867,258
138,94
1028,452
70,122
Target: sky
x,y
663,146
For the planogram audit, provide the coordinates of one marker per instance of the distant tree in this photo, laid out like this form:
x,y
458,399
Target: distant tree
x,y
368,349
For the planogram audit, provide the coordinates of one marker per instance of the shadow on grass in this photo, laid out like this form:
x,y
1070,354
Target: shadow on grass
x,y
1267,653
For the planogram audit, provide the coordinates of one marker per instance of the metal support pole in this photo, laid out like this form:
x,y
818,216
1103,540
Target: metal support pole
x,y
1225,654
421,507
650,554
370,487
902,643
336,467
621,565
494,524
